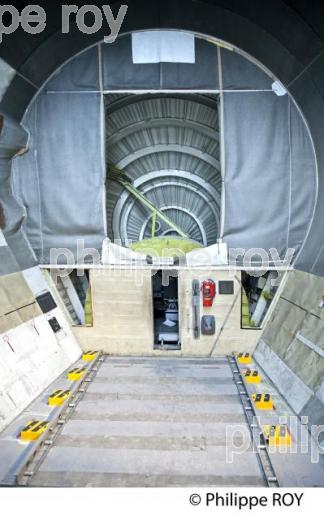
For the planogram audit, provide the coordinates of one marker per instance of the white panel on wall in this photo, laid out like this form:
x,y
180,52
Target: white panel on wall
x,y
36,280
32,355
163,46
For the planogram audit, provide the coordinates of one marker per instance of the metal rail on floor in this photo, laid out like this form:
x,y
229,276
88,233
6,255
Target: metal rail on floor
x,y
39,450
256,432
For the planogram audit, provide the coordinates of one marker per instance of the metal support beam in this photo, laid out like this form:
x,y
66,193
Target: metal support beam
x,y
138,195
153,223
120,177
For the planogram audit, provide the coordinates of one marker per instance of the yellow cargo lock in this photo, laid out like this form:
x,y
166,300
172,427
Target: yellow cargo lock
x,y
252,376
58,397
277,435
75,374
90,355
244,358
263,401
33,430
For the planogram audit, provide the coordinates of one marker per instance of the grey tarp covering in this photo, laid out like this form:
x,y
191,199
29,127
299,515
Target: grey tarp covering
x,y
241,74
269,166
80,74
120,73
256,170
61,180
15,251
303,179
287,36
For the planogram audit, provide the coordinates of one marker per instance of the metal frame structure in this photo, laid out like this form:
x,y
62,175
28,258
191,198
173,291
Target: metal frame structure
x,y
167,144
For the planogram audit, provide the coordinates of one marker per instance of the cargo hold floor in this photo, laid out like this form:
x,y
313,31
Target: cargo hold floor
x,y
153,422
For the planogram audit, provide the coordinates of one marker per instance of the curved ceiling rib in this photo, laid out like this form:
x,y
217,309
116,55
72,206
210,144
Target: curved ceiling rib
x,y
168,147
158,148
119,101
158,123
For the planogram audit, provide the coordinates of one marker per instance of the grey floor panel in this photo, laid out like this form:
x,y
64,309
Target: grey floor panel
x,y
186,398
170,407
166,361
162,417
211,461
160,442
165,389
170,372
149,429
67,479
163,380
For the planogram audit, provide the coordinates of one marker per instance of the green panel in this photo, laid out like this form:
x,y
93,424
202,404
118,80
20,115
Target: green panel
x,y
88,314
165,246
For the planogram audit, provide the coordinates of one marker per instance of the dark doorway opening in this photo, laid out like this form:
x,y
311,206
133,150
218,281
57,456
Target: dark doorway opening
x,y
166,310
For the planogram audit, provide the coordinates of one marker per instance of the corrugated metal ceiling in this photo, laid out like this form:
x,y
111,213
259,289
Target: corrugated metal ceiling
x,y
168,145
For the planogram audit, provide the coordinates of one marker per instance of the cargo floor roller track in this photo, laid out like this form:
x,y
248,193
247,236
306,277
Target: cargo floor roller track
x,y
259,446
151,422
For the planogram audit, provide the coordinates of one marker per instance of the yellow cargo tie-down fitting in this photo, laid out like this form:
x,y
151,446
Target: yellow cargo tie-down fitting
x,y
263,401
244,358
90,355
277,435
33,430
75,374
58,397
252,376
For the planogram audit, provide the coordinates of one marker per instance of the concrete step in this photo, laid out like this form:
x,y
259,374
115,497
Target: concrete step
x,y
146,428
151,443
171,372
141,464
167,380
187,398
95,479
171,408
160,362
166,389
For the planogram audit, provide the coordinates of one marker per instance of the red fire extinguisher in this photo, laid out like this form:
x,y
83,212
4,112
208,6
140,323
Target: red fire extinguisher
x,y
209,292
